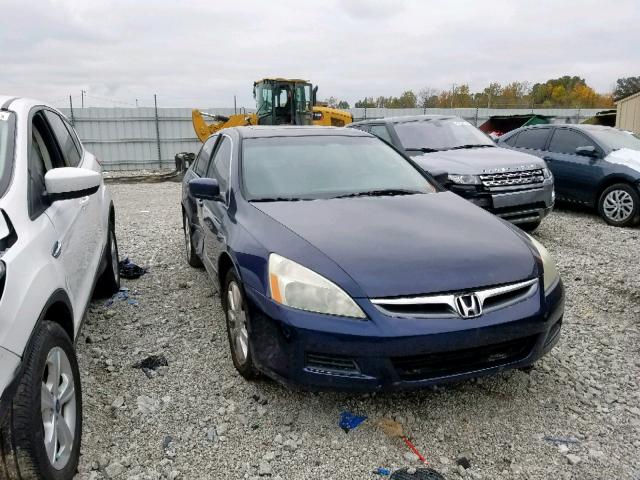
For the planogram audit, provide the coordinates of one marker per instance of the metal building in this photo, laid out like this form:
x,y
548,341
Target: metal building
x,y
628,115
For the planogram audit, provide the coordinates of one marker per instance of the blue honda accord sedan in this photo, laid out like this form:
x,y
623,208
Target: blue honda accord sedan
x,y
341,264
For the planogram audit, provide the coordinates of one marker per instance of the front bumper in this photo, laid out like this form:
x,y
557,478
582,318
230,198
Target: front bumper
x,y
390,353
516,205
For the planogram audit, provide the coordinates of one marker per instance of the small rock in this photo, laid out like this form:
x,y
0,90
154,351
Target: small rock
x,y
173,475
573,459
411,470
264,469
222,429
463,461
114,469
409,457
117,402
166,441
563,449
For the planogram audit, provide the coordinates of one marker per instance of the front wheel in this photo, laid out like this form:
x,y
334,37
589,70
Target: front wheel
x,y
44,424
530,226
619,205
192,256
237,315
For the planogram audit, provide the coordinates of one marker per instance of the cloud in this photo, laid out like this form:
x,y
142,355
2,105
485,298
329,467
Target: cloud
x,y
202,53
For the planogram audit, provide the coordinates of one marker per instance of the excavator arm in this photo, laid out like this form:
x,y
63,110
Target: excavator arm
x,y
204,130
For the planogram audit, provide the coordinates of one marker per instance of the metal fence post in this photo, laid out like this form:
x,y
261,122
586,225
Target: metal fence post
x,y
155,103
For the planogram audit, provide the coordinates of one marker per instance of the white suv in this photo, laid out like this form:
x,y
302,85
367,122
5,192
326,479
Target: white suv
x,y
57,243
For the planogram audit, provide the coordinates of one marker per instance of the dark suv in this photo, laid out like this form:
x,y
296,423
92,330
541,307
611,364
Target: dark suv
x,y
463,159
593,165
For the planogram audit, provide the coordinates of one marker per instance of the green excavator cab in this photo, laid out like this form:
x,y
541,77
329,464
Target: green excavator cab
x,y
282,101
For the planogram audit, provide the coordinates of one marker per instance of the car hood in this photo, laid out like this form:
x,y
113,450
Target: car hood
x,y
627,157
474,161
410,245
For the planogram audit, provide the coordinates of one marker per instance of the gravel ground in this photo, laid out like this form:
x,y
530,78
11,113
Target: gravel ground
x,y
197,418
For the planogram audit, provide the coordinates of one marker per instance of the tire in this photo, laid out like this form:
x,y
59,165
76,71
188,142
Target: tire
x,y
530,226
619,205
109,281
31,420
192,256
237,316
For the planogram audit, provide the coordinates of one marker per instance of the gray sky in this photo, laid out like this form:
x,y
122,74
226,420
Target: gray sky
x,y
201,53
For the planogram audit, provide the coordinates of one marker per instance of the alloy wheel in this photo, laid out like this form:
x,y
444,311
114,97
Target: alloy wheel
x,y
237,322
58,408
618,205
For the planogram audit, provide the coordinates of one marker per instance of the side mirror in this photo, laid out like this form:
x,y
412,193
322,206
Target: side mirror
x,y
587,151
65,183
204,188
314,95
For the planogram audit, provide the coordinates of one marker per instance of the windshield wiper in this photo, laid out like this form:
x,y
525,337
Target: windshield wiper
x,y
276,199
423,149
472,145
387,192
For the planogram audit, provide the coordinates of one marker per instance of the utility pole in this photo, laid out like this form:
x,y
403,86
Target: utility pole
x,y
82,92
453,92
136,103
234,105
73,120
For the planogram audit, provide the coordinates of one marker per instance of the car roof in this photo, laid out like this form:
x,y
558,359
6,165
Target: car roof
x,y
406,118
265,131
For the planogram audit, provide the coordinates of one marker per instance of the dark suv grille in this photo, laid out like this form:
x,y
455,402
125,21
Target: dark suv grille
x,y
512,179
440,364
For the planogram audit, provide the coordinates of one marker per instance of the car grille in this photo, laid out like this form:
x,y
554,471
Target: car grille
x,y
439,364
444,305
512,179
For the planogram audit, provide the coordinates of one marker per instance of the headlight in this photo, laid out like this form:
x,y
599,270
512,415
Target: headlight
x,y
546,173
464,179
548,265
296,286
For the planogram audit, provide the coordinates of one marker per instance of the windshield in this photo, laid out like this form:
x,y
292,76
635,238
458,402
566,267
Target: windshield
x,y
440,134
616,139
7,125
314,167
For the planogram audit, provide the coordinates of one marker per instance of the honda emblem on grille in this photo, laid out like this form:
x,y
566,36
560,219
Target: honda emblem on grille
x,y
468,305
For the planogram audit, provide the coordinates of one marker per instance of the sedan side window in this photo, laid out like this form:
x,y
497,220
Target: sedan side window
x,y
511,141
381,131
67,145
566,141
44,155
220,165
202,162
534,138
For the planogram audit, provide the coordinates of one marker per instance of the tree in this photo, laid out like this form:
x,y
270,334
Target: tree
x,y
625,87
367,102
427,97
343,104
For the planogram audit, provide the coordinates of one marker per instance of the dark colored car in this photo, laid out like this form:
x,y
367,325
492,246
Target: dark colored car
x,y
592,165
516,187
341,264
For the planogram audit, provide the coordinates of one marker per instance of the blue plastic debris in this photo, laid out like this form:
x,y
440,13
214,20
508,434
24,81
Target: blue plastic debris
x,y
349,421
385,472
121,296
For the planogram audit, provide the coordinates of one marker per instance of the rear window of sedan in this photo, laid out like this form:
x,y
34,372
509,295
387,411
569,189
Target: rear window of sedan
x,y
7,126
313,167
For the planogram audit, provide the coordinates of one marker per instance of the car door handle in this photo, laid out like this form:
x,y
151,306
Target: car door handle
x,y
83,202
56,250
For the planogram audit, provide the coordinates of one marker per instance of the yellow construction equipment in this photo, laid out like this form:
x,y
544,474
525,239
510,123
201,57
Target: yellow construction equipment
x,y
279,101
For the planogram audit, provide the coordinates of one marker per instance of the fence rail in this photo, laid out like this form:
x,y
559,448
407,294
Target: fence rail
x,y
135,139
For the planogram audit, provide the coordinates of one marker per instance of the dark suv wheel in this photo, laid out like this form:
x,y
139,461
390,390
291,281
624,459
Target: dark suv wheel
x,y
40,433
619,205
